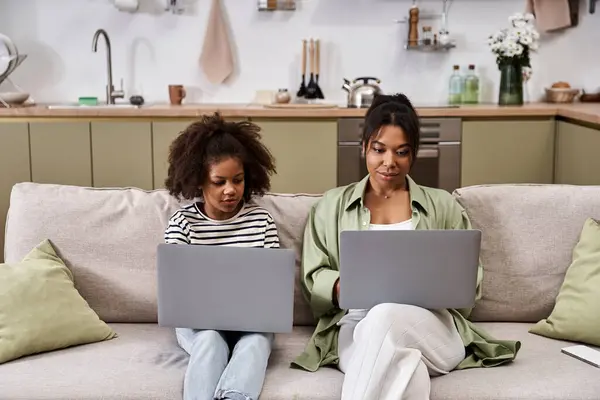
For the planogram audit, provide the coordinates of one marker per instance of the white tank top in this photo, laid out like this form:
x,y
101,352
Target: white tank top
x,y
354,316
400,226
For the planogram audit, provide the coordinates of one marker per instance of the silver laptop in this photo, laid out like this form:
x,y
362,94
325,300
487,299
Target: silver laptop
x,y
225,288
433,269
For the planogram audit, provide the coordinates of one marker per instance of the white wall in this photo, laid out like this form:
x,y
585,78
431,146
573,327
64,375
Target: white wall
x,y
152,49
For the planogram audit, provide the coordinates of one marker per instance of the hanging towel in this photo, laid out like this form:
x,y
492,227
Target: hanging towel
x,y
216,59
553,15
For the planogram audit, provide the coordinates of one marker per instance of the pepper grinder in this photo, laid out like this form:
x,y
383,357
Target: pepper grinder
x,y
413,30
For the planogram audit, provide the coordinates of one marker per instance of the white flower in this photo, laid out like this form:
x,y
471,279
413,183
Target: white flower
x,y
533,32
519,23
519,50
526,40
515,40
516,17
500,35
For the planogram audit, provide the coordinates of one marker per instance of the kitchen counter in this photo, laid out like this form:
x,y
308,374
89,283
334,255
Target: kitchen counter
x,y
589,113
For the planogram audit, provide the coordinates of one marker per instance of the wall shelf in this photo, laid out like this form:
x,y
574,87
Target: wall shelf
x,y
430,47
276,5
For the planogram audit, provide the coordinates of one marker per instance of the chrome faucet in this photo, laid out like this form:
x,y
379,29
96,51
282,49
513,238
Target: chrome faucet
x,y
111,93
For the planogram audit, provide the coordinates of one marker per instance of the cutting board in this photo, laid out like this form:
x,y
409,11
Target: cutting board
x,y
300,105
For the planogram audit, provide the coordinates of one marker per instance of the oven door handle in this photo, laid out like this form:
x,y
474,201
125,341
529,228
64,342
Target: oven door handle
x,y
428,152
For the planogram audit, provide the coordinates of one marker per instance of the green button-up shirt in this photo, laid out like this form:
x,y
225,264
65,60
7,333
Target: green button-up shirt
x,y
343,209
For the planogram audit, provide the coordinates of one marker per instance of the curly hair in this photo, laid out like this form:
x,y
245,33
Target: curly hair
x,y
213,139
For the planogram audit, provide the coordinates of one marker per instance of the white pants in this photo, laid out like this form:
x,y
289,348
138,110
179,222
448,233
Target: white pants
x,y
390,354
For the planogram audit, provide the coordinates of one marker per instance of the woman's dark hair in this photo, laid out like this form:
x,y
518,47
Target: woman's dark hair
x,y
394,110
210,140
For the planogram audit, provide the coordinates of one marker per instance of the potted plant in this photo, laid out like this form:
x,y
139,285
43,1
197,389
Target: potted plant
x,y
512,47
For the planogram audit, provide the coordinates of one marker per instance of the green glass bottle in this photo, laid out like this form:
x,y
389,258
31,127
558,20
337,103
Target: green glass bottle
x,y
456,86
471,92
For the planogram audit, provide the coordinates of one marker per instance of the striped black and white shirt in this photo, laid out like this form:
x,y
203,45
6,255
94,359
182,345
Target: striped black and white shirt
x,y
252,226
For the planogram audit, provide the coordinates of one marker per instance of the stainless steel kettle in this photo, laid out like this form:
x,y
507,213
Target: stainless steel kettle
x,y
362,91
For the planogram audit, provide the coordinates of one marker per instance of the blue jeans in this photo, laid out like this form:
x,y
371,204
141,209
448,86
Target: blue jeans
x,y
211,374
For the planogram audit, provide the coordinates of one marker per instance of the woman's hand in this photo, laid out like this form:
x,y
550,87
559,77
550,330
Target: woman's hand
x,y
336,292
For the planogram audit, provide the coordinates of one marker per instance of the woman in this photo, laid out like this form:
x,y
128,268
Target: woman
x,y
389,351
225,164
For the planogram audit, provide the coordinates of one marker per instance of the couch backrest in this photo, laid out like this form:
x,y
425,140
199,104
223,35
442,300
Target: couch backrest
x,y
108,238
528,235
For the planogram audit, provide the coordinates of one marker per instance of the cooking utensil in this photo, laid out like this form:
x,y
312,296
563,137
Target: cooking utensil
x,y
311,88
361,94
317,69
302,90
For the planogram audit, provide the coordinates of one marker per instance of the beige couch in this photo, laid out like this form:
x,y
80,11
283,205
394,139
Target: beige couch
x,y
108,238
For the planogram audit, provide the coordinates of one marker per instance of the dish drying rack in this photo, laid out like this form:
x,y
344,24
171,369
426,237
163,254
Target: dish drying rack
x,y
13,63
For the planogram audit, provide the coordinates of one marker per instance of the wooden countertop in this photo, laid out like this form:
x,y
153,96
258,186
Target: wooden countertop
x,y
589,112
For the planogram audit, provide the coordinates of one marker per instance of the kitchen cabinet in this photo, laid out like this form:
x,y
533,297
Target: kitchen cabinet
x,y
122,154
163,134
507,151
61,153
14,166
305,154
577,161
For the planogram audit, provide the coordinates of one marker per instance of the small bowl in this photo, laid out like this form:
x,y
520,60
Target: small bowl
x,y
561,95
14,97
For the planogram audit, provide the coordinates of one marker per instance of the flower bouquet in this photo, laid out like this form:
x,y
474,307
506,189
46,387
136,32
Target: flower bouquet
x,y
512,47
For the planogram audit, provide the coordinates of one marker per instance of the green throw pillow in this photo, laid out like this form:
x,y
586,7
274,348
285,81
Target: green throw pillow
x,y
576,314
40,309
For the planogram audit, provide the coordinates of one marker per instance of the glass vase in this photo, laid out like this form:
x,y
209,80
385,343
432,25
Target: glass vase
x,y
511,85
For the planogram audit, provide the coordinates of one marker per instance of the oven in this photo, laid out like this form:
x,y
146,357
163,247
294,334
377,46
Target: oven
x,y
437,164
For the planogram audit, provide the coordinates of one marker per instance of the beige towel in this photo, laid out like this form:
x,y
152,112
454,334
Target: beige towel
x,y
217,56
550,14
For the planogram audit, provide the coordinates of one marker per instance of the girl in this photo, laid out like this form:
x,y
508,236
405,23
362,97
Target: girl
x,y
224,164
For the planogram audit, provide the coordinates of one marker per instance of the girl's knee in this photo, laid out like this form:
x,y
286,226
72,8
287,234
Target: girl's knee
x,y
264,340
210,338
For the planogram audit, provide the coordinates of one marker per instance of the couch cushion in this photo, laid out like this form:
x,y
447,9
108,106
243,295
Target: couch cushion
x,y
285,383
144,362
290,213
529,232
40,309
576,315
108,238
540,371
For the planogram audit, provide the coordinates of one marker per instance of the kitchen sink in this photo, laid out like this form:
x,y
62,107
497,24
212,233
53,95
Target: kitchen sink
x,y
73,106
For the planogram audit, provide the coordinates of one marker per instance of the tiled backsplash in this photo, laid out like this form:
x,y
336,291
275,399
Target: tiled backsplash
x,y
152,48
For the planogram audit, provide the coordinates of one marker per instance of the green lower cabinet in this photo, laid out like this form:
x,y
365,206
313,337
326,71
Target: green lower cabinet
x,y
515,151
61,153
122,154
163,134
14,166
577,154
305,154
